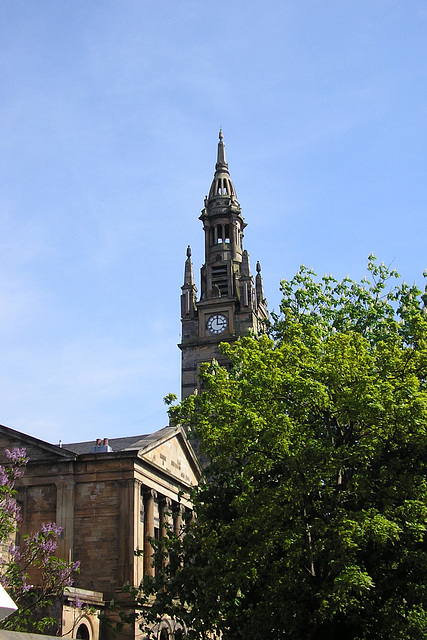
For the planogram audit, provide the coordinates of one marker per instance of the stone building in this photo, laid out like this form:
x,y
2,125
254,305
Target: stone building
x,y
231,303
108,497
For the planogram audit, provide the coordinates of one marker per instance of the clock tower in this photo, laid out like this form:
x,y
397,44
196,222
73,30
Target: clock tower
x,y
231,304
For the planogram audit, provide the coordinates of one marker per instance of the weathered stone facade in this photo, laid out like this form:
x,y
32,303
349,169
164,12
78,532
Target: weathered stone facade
x,y
108,499
231,303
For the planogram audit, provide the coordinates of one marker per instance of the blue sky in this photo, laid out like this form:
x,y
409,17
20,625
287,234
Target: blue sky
x,y
109,117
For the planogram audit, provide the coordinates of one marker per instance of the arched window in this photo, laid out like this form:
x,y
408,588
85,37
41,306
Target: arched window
x,y
83,632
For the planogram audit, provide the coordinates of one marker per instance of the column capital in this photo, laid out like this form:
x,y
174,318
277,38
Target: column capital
x,y
178,508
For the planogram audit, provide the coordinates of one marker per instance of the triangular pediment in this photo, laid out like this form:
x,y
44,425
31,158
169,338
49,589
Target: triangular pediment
x,y
172,453
36,450
167,450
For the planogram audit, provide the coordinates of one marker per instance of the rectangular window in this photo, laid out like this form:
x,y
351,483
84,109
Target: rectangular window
x,y
220,279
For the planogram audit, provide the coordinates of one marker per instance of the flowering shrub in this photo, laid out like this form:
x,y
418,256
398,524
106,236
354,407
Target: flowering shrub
x,y
31,574
9,510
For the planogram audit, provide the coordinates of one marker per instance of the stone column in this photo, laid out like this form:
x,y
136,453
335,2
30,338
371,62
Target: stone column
x,y
65,518
150,495
166,516
22,529
138,532
166,520
177,522
126,532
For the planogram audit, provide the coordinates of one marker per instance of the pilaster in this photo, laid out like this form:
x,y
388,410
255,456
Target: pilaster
x,y
150,496
127,538
65,493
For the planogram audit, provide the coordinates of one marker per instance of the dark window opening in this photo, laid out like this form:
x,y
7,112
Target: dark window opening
x,y
220,279
219,233
227,233
223,187
83,632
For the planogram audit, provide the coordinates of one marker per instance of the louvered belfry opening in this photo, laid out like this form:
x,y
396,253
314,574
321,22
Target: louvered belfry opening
x,y
220,279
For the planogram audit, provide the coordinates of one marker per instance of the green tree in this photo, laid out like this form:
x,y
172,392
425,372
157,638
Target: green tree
x,y
311,520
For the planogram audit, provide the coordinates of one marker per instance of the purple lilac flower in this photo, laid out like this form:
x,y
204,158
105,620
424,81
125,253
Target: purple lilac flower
x,y
15,552
48,545
8,505
51,527
64,573
26,587
17,455
17,473
76,602
4,478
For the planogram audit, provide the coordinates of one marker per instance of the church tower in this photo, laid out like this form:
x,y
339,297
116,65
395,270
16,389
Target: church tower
x,y
231,304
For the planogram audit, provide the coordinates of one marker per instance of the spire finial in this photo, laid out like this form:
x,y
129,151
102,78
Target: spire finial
x,y
188,271
221,183
221,161
259,287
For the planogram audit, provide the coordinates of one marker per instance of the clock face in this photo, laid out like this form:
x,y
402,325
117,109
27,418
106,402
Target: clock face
x,y
217,323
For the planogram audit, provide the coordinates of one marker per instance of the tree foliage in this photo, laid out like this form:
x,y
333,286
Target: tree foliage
x,y
30,573
311,520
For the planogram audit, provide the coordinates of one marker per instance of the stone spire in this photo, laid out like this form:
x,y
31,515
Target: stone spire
x,y
189,289
245,268
231,302
259,286
221,161
188,270
221,183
